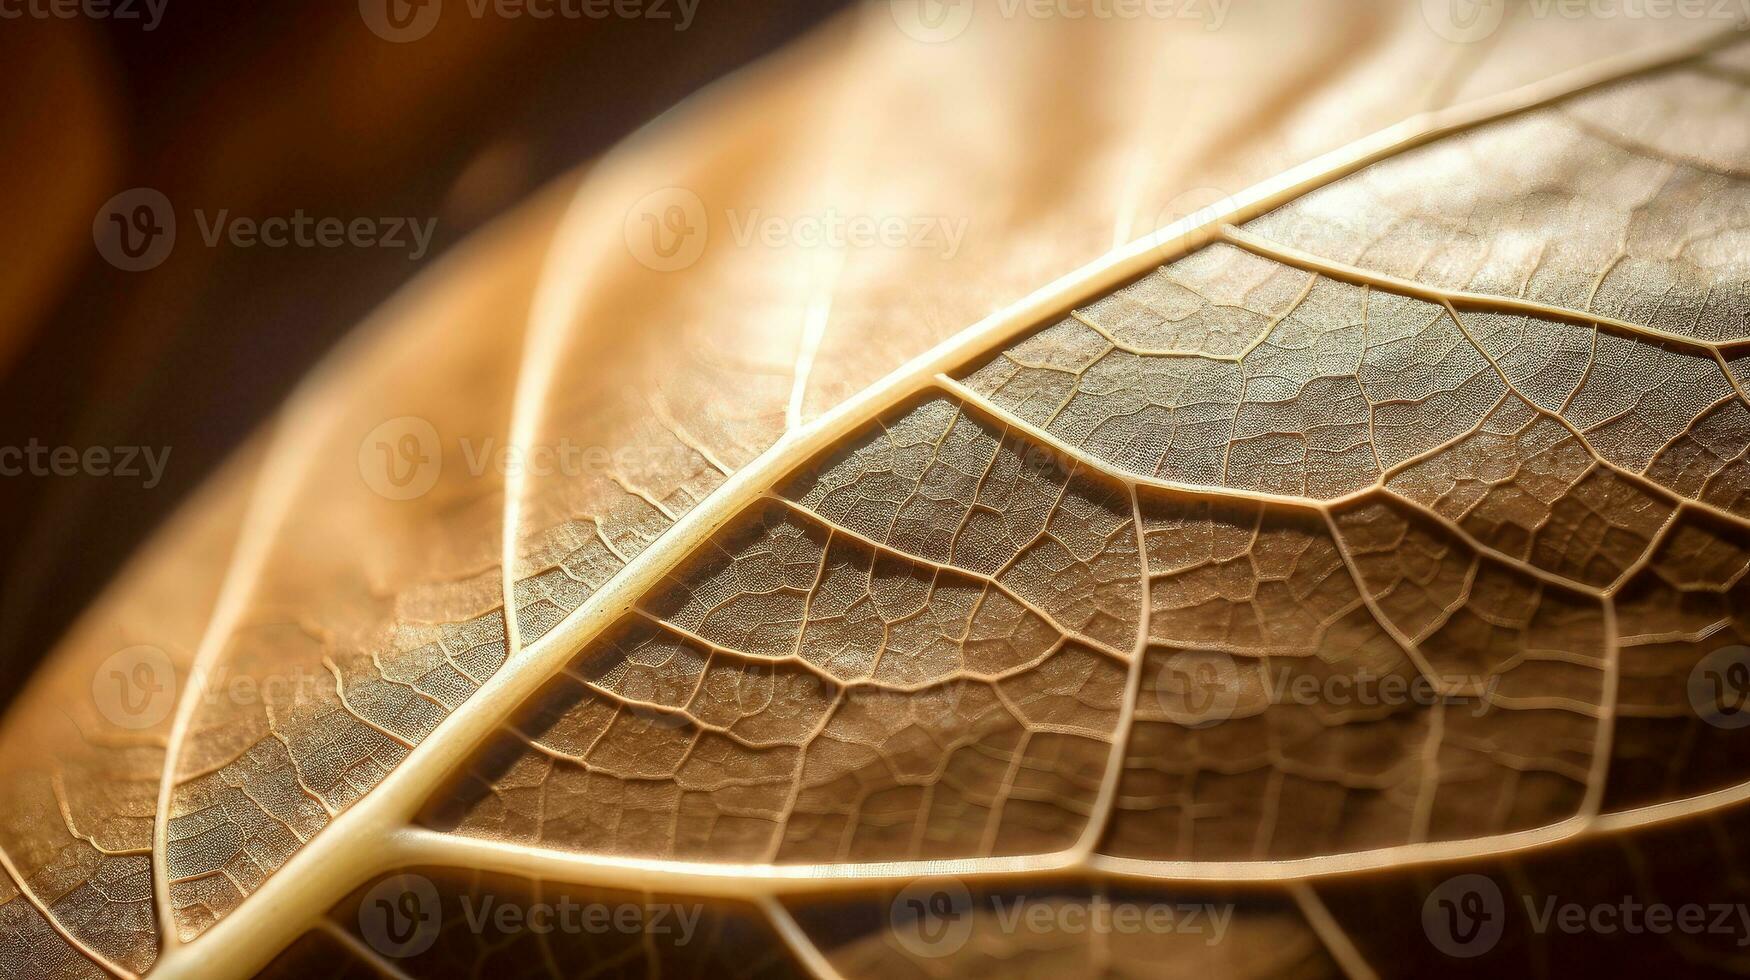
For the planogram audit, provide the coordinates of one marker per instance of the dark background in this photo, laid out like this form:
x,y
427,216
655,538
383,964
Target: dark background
x,y
263,108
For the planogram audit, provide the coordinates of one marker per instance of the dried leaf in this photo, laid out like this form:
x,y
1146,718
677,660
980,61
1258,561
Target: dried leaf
x,y
1378,513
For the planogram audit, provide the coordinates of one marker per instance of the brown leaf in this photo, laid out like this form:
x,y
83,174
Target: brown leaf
x,y
680,545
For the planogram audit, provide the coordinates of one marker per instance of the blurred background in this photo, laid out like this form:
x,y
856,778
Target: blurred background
x,y
263,109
